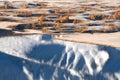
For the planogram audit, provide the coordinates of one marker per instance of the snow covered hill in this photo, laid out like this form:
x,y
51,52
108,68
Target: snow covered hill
x,y
39,57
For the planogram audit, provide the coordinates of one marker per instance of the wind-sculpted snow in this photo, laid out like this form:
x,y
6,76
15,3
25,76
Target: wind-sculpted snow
x,y
39,57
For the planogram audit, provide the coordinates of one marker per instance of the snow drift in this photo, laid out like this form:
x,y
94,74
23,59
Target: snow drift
x,y
39,57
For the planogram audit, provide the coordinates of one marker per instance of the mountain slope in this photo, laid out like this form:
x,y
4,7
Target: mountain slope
x,y
39,57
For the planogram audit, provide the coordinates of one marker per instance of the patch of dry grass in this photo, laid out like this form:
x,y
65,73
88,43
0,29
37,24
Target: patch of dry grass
x,y
116,15
96,16
81,29
112,26
25,12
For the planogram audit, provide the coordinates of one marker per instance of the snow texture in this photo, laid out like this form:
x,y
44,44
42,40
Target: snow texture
x,y
39,57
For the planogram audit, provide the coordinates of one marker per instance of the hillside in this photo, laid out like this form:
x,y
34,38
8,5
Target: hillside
x,y
39,57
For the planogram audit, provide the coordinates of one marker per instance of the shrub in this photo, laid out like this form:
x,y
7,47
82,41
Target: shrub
x,y
64,18
97,17
24,6
75,21
110,17
105,30
40,20
68,11
92,16
84,9
33,25
1,18
61,19
6,6
57,11
57,25
116,15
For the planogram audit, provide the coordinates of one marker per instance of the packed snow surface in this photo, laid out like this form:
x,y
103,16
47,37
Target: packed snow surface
x,y
39,57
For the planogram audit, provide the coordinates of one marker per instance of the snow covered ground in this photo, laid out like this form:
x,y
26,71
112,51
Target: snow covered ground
x,y
39,57
106,39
